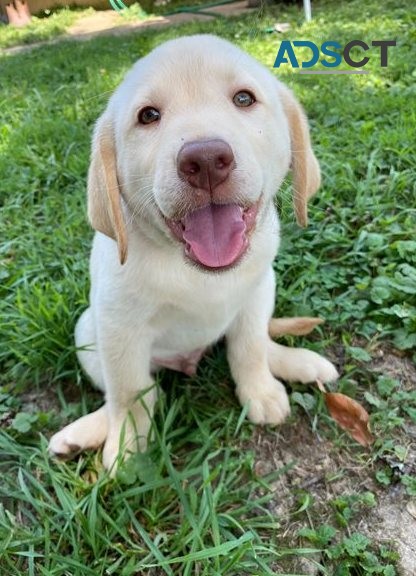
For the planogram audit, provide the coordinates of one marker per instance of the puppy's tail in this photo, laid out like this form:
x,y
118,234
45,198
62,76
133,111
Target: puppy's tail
x,y
299,326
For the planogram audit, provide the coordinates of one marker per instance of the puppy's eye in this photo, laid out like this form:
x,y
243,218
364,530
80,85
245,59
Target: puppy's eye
x,y
243,99
148,115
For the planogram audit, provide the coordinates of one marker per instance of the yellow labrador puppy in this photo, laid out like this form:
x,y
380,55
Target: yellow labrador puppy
x,y
186,160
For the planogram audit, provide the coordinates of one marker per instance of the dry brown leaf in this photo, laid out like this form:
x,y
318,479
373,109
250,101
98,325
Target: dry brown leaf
x,y
292,326
350,415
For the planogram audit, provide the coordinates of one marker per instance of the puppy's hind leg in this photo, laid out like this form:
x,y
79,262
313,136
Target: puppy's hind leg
x,y
86,342
299,364
88,432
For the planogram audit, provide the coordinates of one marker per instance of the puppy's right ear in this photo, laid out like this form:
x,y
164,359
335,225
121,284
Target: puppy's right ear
x,y
305,167
104,196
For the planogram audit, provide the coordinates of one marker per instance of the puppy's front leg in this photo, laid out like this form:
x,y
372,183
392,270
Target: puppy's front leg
x,y
247,349
130,393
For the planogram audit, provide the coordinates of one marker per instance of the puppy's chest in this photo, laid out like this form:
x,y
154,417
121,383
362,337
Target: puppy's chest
x,y
183,334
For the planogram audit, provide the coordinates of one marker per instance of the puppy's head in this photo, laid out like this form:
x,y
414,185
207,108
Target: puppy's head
x,y
193,146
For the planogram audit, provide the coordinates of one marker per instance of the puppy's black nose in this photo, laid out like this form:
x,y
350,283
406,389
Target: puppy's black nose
x,y
205,164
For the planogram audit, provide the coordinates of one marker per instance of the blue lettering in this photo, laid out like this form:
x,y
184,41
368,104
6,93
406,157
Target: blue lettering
x,y
286,47
325,50
311,46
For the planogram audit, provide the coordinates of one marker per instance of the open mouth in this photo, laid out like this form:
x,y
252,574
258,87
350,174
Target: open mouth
x,y
217,235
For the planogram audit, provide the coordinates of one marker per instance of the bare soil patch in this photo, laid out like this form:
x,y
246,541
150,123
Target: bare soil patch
x,y
112,22
327,471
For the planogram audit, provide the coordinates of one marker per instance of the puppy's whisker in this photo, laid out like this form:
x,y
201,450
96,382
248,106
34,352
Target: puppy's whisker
x,y
141,206
137,179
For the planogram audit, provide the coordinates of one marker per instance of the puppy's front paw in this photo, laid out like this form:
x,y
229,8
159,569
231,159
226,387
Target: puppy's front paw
x,y
267,404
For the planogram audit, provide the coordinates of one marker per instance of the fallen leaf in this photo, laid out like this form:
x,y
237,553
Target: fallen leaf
x,y
292,326
350,415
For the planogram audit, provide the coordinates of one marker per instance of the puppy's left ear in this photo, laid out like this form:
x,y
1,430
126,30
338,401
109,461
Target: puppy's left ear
x,y
305,167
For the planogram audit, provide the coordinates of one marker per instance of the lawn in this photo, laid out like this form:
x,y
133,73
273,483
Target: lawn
x,y
41,28
215,495
50,24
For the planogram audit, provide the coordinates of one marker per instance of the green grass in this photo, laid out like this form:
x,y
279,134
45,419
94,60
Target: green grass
x,y
41,28
51,24
197,503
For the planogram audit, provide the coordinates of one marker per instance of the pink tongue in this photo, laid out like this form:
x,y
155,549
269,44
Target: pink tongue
x,y
215,234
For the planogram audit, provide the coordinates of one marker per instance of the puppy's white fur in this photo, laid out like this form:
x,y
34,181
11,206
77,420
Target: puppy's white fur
x,y
154,305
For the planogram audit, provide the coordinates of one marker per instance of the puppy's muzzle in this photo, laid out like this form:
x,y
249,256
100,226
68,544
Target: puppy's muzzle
x,y
216,226
205,164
